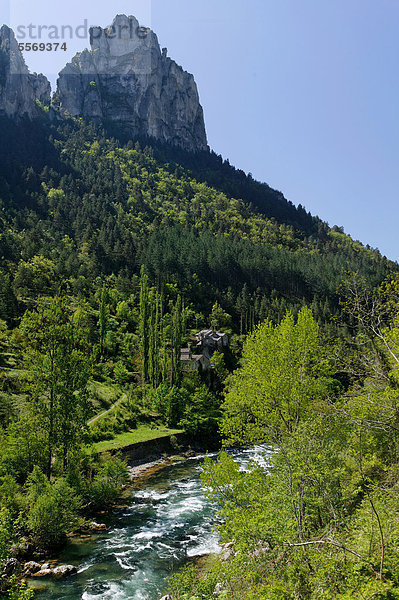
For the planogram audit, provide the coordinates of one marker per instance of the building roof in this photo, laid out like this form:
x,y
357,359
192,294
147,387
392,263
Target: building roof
x,y
185,354
211,333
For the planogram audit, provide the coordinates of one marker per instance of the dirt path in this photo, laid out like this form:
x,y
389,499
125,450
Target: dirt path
x,y
101,415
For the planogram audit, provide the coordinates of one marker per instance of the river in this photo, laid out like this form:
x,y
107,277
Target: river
x,y
166,521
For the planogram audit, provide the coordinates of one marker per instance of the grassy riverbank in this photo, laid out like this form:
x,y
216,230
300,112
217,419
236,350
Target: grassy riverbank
x,y
143,433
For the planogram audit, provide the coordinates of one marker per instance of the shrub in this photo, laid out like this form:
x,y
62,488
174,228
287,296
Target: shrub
x,y
106,486
52,509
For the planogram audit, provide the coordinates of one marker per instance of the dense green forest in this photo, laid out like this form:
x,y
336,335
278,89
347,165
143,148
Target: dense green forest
x,y
320,519
114,254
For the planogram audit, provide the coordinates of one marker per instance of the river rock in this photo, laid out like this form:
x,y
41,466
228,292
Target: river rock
x,y
90,527
43,573
58,572
227,551
125,78
64,570
10,566
31,567
97,526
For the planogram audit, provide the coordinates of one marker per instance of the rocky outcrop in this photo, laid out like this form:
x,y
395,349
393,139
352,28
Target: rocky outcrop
x,y
125,78
18,88
42,88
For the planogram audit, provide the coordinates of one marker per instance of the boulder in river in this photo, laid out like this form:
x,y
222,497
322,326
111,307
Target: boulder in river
x,y
57,572
97,526
91,527
64,570
31,567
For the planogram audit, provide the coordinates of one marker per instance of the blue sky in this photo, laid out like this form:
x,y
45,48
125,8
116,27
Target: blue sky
x,y
302,93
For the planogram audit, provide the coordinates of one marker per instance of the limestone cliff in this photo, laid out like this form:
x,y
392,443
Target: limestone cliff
x,y
18,88
41,87
126,78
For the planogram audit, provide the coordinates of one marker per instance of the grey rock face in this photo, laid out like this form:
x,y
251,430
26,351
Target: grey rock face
x,y
126,78
18,89
42,88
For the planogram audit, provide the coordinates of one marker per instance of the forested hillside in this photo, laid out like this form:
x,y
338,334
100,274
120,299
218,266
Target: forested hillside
x,y
114,255
94,208
318,518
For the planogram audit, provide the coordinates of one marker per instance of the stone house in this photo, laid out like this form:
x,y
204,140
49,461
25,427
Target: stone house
x,y
206,342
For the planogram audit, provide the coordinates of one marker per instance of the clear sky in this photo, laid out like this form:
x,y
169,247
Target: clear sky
x,y
302,93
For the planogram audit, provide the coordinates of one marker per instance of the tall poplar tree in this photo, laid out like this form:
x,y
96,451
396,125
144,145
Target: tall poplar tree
x,y
144,324
103,318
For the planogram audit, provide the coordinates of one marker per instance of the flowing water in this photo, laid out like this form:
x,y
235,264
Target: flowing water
x,y
167,521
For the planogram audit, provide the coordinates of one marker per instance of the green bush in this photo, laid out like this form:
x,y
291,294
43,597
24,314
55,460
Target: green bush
x,y
202,414
9,493
121,373
111,475
52,509
187,584
16,590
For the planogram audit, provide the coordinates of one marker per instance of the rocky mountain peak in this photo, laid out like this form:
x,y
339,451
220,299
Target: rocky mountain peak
x,y
125,78
123,37
18,88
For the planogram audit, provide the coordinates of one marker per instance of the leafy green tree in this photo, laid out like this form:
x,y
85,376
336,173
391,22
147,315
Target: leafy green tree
x,y
109,478
176,339
56,356
282,376
201,414
8,301
144,323
23,446
34,277
219,365
219,319
154,339
6,532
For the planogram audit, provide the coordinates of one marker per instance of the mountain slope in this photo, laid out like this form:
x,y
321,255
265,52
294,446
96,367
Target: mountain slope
x,y
95,208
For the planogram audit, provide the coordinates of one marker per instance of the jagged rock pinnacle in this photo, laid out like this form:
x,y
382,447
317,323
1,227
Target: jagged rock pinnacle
x,y
125,78
18,88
